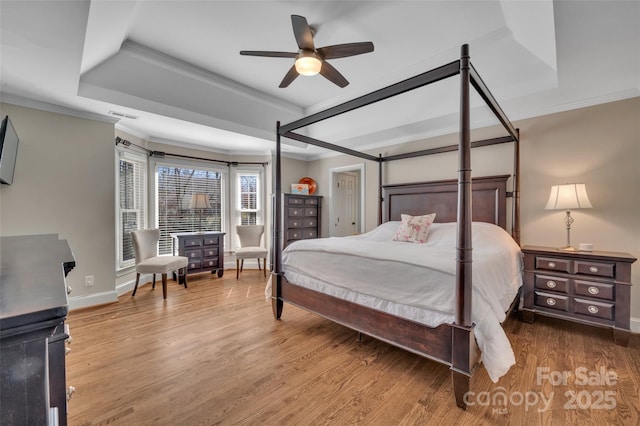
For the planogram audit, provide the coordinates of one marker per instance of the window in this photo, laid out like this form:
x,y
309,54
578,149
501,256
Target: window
x,y
174,185
249,198
131,203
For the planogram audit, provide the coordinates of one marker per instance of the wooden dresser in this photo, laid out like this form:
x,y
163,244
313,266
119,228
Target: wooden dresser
x,y
205,251
301,217
587,287
33,309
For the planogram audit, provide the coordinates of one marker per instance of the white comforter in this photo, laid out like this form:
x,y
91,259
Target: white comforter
x,y
417,281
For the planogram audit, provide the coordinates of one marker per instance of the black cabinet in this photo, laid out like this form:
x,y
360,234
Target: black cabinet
x,y
301,217
205,251
33,309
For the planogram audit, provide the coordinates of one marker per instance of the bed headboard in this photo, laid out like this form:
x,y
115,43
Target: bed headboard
x,y
489,200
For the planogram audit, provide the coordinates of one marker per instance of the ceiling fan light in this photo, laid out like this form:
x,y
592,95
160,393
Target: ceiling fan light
x,y
308,65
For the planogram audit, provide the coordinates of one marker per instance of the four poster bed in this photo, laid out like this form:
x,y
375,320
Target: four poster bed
x,y
447,335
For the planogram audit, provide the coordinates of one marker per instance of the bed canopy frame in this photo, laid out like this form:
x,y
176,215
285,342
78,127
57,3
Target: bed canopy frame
x,y
462,354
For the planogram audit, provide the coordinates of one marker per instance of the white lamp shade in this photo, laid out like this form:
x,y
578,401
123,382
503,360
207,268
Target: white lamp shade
x,y
568,197
199,201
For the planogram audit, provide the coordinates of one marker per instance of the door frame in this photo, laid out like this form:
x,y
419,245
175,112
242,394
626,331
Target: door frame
x,y
359,169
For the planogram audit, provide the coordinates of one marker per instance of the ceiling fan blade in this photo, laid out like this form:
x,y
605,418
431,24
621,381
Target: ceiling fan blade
x,y
289,77
344,50
302,32
268,54
332,74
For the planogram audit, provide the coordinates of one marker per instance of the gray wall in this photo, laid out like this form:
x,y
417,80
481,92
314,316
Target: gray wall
x,y
598,146
64,184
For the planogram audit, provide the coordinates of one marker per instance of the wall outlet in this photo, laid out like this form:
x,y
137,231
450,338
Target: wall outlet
x,y
88,281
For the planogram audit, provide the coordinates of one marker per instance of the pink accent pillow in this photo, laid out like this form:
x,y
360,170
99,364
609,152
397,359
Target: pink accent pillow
x,y
414,229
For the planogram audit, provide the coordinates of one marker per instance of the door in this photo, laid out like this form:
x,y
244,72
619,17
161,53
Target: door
x,y
344,204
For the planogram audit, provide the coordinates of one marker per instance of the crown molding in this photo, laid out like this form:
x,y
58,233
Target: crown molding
x,y
58,109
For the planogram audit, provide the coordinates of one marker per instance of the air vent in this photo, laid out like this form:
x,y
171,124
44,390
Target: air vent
x,y
123,115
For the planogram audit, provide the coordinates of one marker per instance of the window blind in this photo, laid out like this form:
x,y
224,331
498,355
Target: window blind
x,y
175,185
131,193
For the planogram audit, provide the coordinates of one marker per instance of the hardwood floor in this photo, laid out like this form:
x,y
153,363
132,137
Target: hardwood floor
x,y
213,354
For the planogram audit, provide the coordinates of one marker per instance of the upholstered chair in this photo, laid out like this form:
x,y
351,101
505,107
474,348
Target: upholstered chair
x,y
145,244
250,246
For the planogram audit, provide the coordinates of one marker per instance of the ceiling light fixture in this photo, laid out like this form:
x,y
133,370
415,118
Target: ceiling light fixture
x,y
308,63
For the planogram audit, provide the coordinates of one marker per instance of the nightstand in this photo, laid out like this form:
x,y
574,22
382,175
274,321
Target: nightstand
x,y
205,251
587,287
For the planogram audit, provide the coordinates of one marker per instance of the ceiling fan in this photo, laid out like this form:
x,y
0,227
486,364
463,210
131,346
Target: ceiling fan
x,y
311,61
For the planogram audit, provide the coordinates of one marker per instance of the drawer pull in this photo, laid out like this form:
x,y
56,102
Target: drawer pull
x,y
550,301
552,264
193,265
593,269
295,212
192,255
592,309
295,223
551,284
593,290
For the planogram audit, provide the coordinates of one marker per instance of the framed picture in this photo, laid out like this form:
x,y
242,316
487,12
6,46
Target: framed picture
x,y
300,188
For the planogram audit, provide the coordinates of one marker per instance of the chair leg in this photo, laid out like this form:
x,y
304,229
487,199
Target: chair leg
x,y
185,277
241,265
136,286
237,268
259,268
164,286
264,270
154,282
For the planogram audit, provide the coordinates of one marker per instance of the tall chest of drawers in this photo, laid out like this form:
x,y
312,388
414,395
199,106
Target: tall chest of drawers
x,y
205,251
587,287
301,216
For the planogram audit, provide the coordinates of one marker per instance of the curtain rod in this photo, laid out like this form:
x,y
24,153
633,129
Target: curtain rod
x,y
161,154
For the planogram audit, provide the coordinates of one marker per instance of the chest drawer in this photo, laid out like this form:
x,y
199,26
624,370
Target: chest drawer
x,y
597,290
597,269
212,241
552,301
311,211
295,212
553,264
193,254
594,309
548,282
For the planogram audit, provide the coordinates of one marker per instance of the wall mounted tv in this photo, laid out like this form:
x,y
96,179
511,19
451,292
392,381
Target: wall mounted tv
x,y
8,151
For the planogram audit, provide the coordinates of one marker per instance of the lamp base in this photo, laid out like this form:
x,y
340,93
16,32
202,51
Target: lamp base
x,y
568,248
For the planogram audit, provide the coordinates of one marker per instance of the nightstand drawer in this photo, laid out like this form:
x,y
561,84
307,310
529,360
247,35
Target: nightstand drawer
x,y
597,269
547,282
553,264
295,201
212,241
591,289
594,309
193,254
195,264
192,242
552,301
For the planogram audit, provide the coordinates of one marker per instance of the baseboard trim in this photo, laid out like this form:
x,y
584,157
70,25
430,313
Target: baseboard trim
x,y
91,300
635,325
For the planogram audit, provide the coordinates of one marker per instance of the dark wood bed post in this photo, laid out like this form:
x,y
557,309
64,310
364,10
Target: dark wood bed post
x,y
276,274
380,199
515,220
462,362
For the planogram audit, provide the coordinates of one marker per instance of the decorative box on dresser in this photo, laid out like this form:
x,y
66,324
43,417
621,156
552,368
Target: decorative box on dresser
x,y
205,251
586,287
301,215
33,310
